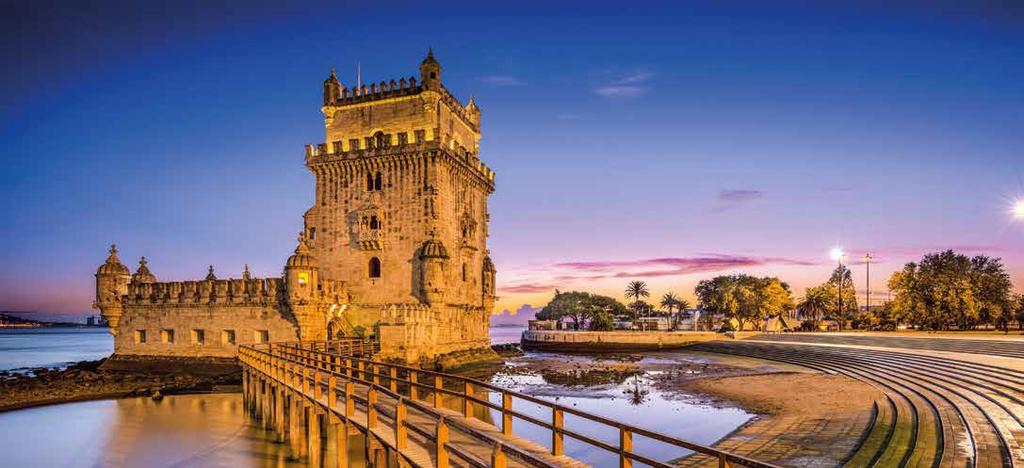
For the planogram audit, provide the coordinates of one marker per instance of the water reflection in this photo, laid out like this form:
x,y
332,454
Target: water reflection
x,y
180,431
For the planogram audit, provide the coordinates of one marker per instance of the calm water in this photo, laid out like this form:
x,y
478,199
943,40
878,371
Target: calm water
x,y
505,335
212,430
52,347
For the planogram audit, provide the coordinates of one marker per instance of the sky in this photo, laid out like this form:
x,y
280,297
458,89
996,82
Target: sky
x,y
667,142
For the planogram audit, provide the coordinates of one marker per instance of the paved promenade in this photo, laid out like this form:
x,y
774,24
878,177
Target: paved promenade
x,y
938,410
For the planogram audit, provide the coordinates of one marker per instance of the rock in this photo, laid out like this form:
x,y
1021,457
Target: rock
x,y
157,396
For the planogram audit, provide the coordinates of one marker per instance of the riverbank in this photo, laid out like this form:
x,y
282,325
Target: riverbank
x,y
89,380
614,341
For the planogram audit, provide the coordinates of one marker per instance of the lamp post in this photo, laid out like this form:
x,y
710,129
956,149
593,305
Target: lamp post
x,y
867,299
837,255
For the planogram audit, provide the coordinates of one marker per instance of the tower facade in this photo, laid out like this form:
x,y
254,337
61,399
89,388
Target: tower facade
x,y
400,213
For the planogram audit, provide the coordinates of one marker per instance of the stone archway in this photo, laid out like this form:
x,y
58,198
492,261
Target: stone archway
x,y
335,329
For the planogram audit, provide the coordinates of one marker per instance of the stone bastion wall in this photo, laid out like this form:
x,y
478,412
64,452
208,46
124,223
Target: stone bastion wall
x,y
567,340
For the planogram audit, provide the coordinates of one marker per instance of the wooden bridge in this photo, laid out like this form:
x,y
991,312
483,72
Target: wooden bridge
x,y
336,406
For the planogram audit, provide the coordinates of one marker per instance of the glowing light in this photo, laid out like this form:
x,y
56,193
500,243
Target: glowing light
x,y
1018,210
837,253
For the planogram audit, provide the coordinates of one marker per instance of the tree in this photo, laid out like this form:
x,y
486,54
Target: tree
x,y
580,307
602,321
744,297
818,301
637,290
669,301
842,282
948,289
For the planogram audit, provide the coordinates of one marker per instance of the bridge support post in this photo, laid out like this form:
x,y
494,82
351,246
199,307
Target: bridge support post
x,y
279,413
313,432
337,436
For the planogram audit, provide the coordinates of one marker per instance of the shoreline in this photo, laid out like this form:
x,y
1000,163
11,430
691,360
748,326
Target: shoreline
x,y
89,380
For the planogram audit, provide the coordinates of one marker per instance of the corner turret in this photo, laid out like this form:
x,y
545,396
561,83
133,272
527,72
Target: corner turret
x,y
111,285
430,72
433,257
332,89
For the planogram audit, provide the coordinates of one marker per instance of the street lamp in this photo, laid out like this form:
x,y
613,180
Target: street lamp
x,y
867,299
837,255
1017,210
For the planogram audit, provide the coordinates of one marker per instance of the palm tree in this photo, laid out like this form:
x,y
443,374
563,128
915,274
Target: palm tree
x,y
670,301
815,303
637,290
681,306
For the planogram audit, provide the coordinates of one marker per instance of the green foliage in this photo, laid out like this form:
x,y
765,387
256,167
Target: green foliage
x,y
948,289
580,307
602,321
744,297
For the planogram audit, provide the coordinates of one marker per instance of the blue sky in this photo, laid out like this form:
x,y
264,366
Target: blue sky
x,y
665,141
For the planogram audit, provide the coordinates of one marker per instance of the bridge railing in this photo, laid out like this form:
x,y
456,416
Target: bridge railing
x,y
426,391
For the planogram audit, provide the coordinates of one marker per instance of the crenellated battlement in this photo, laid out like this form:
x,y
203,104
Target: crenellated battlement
x,y
321,153
261,291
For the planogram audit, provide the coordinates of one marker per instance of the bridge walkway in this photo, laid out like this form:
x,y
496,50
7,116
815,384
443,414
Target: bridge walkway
x,y
309,393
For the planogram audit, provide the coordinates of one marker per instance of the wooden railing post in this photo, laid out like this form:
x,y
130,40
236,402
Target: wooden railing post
x,y
723,462
376,374
442,443
625,446
393,381
371,408
316,386
332,391
438,385
506,413
348,367
350,402
401,432
557,439
498,457
467,403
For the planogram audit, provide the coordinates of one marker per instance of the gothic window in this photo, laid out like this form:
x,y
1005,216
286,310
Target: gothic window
x,y
377,182
369,142
381,140
421,136
312,233
374,223
403,138
369,182
353,144
374,268
337,146
463,272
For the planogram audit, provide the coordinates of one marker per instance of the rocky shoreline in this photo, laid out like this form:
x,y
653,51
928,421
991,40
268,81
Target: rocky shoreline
x,y
91,380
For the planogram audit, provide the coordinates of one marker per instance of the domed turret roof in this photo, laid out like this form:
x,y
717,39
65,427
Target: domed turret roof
x,y
302,257
142,274
113,265
433,248
333,78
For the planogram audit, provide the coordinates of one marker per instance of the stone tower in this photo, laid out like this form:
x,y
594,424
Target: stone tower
x,y
400,212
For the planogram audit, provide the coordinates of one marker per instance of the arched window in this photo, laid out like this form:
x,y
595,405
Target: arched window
x,y
377,182
374,222
369,182
374,267
463,272
382,140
